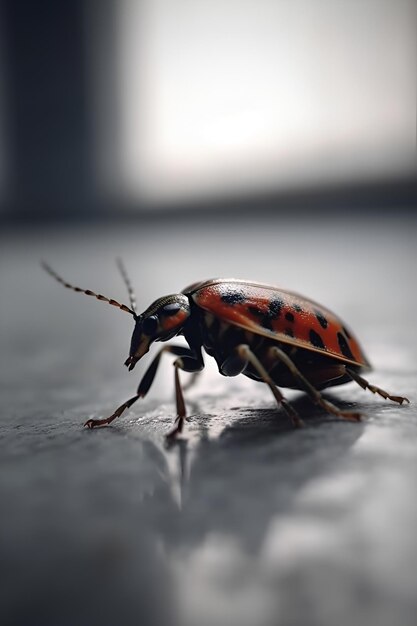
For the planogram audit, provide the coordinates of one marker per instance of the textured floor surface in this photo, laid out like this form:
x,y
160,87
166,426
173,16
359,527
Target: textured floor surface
x,y
244,521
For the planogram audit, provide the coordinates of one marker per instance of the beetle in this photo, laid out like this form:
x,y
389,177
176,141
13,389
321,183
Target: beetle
x,y
268,334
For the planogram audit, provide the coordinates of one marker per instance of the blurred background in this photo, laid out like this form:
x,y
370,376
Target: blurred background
x,y
113,108
263,139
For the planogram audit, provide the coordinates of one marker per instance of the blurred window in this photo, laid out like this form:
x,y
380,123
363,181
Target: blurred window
x,y
217,97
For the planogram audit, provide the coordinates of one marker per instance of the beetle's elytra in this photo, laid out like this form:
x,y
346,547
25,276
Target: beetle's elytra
x,y
273,336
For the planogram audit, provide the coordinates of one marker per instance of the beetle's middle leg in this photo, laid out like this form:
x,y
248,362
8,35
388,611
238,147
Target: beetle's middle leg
x,y
236,364
188,356
277,354
187,363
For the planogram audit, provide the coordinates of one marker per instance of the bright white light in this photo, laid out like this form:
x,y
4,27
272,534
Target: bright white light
x,y
223,96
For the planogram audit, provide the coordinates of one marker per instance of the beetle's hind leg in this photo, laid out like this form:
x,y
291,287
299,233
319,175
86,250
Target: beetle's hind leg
x,y
365,385
277,354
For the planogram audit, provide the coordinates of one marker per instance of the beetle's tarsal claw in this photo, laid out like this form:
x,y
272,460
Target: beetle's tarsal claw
x,y
400,399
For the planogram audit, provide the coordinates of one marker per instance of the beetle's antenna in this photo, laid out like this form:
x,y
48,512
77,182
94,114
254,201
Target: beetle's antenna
x,y
126,280
87,292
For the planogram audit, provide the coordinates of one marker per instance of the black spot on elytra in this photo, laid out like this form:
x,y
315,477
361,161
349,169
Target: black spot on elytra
x,y
265,318
344,347
297,308
347,333
321,319
289,317
233,297
315,339
274,309
289,332
254,310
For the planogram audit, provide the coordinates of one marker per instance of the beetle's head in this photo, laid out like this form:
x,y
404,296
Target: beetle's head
x,y
164,319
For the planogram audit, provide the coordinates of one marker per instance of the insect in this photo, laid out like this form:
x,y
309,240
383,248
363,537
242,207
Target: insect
x,y
270,335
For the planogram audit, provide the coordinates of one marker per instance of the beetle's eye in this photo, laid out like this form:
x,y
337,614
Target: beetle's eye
x,y
150,325
171,309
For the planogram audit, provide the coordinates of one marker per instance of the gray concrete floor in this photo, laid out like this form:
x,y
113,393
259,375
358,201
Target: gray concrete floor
x,y
244,521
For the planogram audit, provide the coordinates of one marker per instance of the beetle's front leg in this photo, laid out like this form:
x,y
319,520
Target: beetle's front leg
x,y
146,382
93,423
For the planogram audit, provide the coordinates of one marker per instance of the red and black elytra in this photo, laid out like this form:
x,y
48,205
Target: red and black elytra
x,y
268,334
